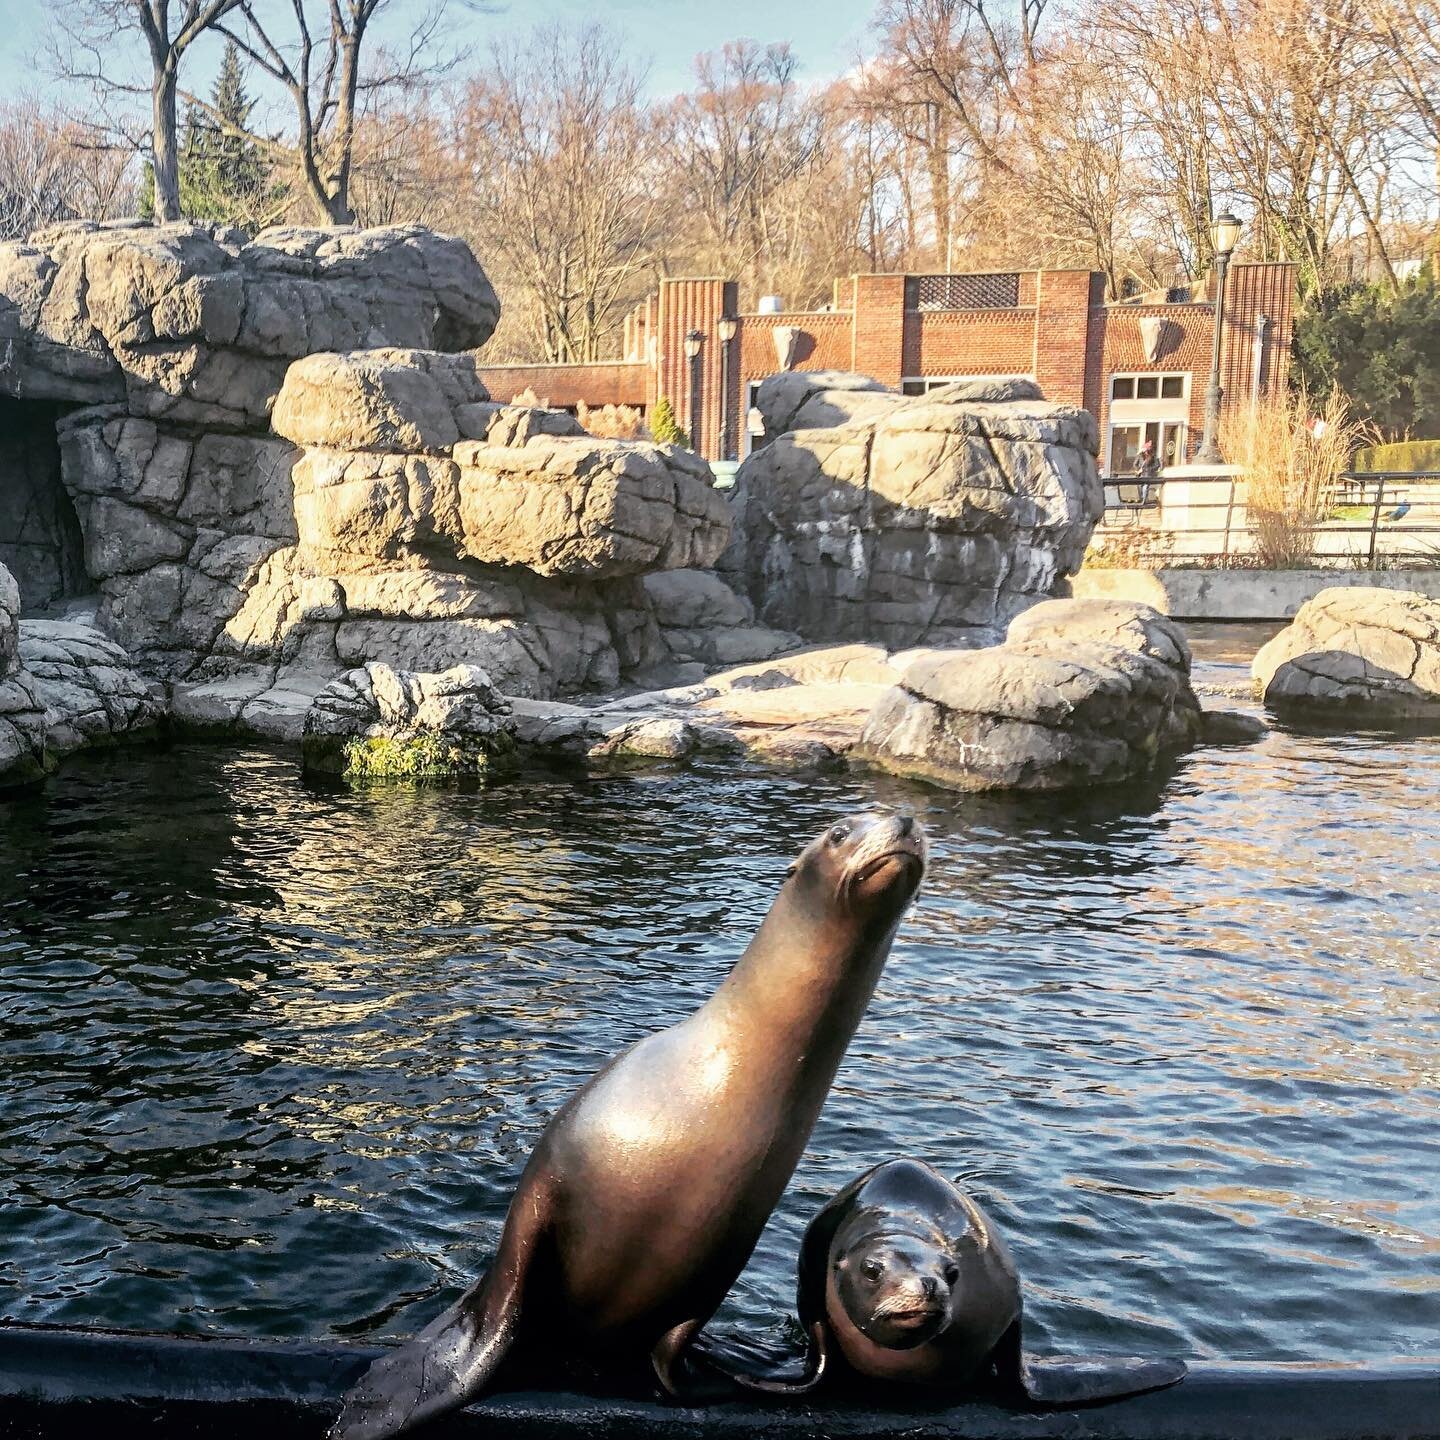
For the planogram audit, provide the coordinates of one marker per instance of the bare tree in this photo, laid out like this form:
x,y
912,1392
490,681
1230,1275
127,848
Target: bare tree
x,y
554,151
320,67
51,170
738,142
1408,36
84,51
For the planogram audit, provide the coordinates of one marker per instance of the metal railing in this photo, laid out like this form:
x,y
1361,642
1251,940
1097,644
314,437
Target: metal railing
x,y
1371,518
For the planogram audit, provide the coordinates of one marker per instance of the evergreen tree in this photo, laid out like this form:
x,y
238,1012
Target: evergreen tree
x,y
664,427
1381,350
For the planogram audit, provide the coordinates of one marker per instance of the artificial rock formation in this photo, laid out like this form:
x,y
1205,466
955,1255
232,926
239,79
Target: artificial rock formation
x,y
195,325
1361,651
22,712
91,692
274,461
929,519
1083,692
704,622
376,722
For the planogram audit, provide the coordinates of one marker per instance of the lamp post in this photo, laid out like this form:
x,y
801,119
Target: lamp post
x,y
1224,232
725,328
693,341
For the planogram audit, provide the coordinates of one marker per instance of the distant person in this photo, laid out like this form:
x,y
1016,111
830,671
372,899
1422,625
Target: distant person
x,y
1147,468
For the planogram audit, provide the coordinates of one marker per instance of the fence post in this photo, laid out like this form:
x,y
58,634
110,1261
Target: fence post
x,y
1229,511
1375,516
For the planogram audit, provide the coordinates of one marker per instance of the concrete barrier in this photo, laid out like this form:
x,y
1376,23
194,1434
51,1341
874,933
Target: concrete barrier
x,y
64,1384
1239,594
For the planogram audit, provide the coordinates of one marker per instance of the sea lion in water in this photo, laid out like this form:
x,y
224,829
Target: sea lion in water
x,y
903,1277
649,1188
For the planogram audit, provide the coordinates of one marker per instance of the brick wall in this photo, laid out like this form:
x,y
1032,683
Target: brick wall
x,y
606,382
970,342
878,338
1062,331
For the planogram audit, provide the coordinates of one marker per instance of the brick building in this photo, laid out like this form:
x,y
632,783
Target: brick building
x,y
1140,366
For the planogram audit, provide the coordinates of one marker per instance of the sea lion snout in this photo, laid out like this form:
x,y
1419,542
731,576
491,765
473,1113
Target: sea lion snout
x,y
887,858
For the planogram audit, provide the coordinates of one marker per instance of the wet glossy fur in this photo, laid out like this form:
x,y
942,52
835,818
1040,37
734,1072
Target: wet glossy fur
x,y
648,1190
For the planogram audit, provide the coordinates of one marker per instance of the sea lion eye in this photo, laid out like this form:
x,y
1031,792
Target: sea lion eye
x,y
952,1274
872,1269
839,834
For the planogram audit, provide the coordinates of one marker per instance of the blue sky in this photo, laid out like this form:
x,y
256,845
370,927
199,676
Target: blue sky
x,y
826,34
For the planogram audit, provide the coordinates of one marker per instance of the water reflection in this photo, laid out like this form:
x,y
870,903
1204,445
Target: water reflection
x,y
274,1055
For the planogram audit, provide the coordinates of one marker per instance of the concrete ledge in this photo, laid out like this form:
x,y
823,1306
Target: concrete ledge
x,y
1239,594
70,1383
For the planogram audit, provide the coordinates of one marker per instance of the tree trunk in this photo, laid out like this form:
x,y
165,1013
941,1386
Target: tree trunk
x,y
164,147
1435,236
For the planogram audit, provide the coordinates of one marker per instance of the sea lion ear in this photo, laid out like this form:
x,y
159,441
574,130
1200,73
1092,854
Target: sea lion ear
x,y
792,869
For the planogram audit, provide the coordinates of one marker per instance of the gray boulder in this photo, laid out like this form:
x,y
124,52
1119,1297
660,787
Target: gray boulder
x,y
91,692
1081,693
1360,651
23,758
193,323
376,722
934,521
818,399
703,621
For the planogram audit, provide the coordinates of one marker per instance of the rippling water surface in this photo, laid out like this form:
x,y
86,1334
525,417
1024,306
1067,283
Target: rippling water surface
x,y
273,1056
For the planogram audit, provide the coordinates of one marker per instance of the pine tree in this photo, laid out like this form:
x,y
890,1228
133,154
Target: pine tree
x,y
223,176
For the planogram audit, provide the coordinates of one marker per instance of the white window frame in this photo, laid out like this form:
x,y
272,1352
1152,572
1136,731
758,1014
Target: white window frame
x,y
1165,412
934,382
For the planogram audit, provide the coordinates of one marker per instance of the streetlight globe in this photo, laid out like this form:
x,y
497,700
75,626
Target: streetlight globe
x,y
1225,230
725,328
693,341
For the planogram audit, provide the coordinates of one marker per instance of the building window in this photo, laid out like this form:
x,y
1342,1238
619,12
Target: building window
x,y
1149,387
1167,436
924,384
1145,407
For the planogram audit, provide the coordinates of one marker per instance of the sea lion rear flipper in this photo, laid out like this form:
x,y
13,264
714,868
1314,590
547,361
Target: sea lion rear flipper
x,y
439,1370
1078,1379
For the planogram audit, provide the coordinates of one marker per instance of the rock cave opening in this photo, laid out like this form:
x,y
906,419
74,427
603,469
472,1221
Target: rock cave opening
x,y
40,539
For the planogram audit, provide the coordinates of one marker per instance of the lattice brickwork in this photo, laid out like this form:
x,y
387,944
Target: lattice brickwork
x,y
1000,291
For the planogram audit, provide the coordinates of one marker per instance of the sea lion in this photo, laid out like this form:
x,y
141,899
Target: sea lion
x,y
649,1188
904,1278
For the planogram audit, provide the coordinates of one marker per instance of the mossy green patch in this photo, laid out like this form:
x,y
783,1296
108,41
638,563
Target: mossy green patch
x,y
418,755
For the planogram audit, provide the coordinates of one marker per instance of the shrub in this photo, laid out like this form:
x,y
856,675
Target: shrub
x,y
528,397
1289,467
1403,455
613,422
664,427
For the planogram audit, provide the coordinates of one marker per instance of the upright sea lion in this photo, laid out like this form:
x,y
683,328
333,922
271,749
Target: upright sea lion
x,y
648,1190
903,1277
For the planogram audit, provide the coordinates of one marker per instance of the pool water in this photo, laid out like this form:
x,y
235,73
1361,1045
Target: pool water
x,y
272,1056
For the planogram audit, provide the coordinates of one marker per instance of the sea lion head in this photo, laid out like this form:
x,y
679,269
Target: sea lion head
x,y
897,1289
869,865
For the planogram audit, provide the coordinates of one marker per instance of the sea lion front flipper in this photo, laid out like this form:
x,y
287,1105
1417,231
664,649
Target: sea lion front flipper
x,y
817,1357
1078,1379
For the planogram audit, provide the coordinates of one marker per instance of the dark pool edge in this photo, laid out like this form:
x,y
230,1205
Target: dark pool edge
x,y
58,1382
